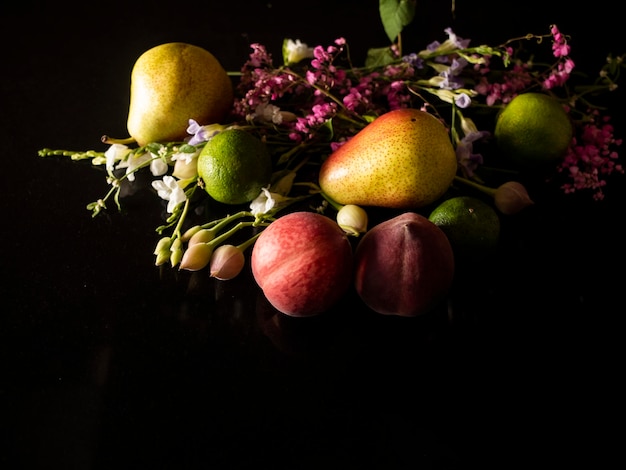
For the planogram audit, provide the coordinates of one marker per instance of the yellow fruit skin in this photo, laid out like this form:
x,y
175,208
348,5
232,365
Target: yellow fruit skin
x,y
172,83
403,159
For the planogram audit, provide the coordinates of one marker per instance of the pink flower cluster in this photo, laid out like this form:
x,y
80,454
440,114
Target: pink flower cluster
x,y
513,82
323,91
591,158
325,99
521,77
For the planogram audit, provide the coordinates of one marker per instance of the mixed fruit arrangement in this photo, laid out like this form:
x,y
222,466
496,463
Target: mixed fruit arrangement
x,y
300,155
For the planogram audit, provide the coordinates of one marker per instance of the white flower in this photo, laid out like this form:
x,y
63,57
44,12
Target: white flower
x,y
295,51
133,163
186,157
268,113
170,190
262,203
265,202
116,152
274,196
158,167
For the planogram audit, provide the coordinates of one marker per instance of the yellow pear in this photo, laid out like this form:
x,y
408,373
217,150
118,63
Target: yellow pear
x,y
172,83
403,159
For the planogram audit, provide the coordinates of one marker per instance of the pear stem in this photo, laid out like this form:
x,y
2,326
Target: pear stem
x,y
112,140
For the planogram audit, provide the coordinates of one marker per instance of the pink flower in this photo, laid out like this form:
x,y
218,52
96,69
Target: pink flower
x,y
591,158
560,48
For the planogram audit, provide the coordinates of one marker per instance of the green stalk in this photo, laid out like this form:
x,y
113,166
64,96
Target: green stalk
x,y
226,235
243,246
480,187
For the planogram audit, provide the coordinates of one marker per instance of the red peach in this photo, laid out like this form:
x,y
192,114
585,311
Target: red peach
x,y
303,263
404,266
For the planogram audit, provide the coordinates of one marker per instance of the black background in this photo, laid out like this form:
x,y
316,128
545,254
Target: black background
x,y
110,362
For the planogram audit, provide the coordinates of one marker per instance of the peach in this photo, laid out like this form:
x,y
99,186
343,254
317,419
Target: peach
x,y
303,263
404,266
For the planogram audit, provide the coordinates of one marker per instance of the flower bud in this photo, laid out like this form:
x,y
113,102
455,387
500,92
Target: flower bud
x,y
227,262
352,219
162,251
176,252
176,257
184,170
163,244
196,257
512,197
190,232
202,236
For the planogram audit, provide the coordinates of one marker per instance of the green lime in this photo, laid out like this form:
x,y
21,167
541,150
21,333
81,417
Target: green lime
x,y
471,225
234,165
533,129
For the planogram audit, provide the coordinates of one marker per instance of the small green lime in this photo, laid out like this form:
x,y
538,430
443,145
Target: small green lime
x,y
234,165
471,225
533,129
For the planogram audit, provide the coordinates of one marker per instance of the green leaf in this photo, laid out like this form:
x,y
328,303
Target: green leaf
x,y
395,15
154,147
379,57
186,148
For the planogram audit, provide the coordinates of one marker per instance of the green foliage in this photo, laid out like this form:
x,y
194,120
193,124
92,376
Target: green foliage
x,y
379,57
395,15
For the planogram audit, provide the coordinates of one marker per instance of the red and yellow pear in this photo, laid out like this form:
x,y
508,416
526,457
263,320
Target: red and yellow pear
x,y
404,159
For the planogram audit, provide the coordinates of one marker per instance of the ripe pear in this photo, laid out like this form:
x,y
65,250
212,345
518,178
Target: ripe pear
x,y
172,83
403,159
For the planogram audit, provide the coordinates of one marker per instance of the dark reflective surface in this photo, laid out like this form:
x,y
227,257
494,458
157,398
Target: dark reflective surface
x,y
110,362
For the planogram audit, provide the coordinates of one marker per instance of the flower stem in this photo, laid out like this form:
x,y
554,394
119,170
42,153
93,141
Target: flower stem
x,y
473,184
70,153
224,236
333,203
181,219
243,246
228,219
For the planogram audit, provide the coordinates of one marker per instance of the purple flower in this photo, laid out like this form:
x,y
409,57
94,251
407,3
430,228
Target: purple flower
x,y
457,41
462,100
468,160
414,60
202,133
